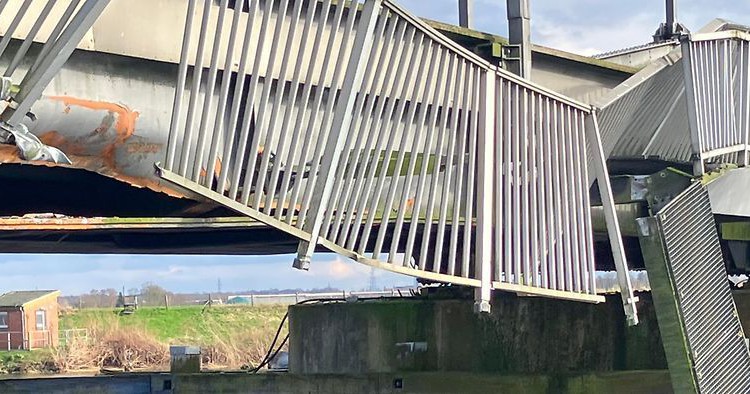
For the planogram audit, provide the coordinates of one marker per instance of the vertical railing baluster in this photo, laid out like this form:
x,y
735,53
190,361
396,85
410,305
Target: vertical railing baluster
x,y
341,121
21,52
195,84
36,81
213,70
486,161
610,215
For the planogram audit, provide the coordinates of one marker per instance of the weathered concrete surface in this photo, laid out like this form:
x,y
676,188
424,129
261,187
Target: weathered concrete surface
x,y
185,359
122,384
642,382
521,335
633,382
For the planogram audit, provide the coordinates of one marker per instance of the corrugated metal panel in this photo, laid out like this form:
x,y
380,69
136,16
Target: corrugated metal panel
x,y
646,115
715,338
723,191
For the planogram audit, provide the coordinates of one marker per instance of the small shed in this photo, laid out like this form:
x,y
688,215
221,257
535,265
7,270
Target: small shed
x,y
29,319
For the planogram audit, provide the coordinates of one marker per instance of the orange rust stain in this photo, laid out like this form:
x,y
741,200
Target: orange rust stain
x,y
143,147
9,154
125,126
53,138
217,169
109,155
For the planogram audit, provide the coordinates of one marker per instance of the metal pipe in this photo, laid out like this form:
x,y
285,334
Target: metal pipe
x,y
519,37
671,16
465,13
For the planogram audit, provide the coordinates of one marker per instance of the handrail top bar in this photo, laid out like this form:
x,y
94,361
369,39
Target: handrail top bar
x,y
720,35
642,76
478,61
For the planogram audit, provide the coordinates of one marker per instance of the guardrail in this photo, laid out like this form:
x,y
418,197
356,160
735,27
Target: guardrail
x,y
295,298
358,127
717,79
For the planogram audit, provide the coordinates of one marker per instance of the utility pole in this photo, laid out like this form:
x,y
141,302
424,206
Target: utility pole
x,y
518,51
465,13
670,29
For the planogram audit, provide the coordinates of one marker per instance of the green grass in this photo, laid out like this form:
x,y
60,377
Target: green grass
x,y
183,322
230,336
22,361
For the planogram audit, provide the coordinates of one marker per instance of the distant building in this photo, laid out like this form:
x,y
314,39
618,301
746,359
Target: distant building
x,y
28,319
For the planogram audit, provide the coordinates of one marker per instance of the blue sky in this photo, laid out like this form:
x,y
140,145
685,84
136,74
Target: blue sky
x,y
581,26
75,274
587,26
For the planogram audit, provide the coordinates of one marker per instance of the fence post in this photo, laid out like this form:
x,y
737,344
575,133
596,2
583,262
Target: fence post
x,y
339,127
485,177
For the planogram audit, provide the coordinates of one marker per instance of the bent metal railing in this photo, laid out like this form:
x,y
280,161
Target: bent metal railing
x,y
60,25
374,136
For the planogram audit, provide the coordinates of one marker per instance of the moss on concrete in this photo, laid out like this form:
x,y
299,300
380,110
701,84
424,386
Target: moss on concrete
x,y
521,335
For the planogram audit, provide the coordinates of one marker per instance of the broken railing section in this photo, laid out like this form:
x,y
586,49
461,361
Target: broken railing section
x,y
372,135
73,18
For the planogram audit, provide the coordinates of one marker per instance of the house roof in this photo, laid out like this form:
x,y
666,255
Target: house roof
x,y
20,298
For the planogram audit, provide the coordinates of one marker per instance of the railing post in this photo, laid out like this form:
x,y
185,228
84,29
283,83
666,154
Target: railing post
x,y
599,162
485,176
339,127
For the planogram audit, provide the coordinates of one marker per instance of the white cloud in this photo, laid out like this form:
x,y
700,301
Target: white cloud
x,y
587,26
74,274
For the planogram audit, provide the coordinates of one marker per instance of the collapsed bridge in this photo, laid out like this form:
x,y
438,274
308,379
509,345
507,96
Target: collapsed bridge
x,y
274,126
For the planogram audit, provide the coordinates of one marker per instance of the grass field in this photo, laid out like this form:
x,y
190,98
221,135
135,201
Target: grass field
x,y
182,323
231,337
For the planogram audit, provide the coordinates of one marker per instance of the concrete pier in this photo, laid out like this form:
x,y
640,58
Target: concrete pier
x,y
526,335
